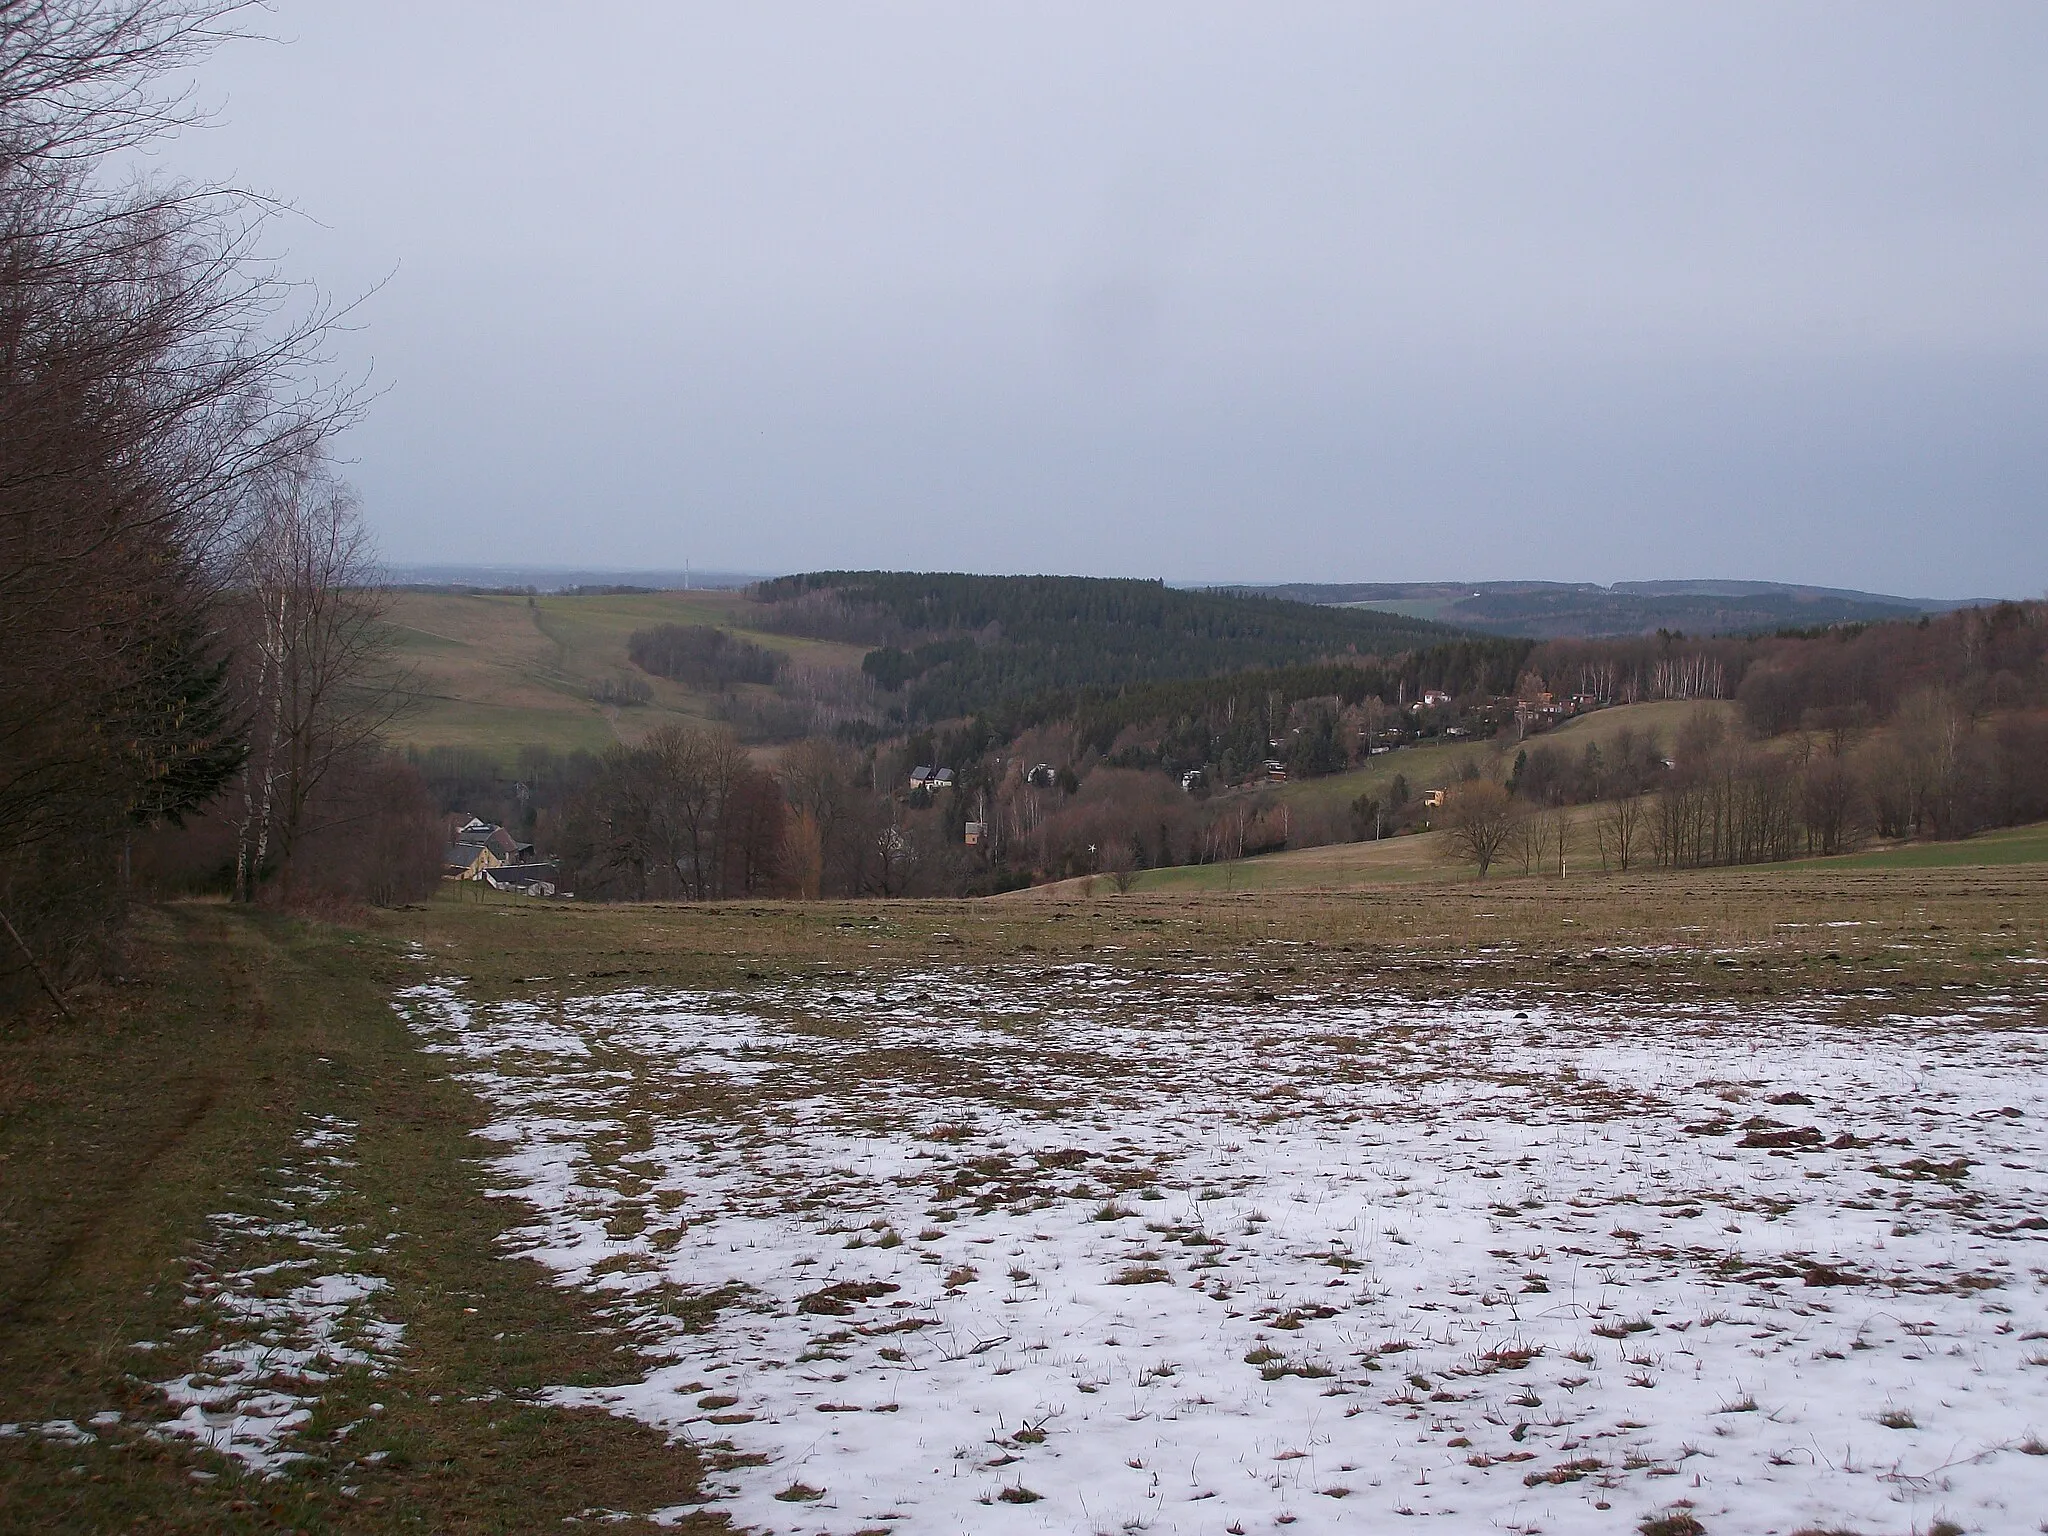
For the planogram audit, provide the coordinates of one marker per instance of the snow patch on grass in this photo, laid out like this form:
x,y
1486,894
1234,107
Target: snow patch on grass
x,y
1083,1250
275,1289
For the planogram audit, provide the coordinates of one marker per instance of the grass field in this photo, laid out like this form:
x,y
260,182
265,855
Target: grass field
x,y
1335,866
1426,858
243,1214
2011,845
1179,1193
502,672
1438,765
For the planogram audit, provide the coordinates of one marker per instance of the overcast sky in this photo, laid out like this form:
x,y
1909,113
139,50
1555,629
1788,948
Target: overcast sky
x,y
1231,292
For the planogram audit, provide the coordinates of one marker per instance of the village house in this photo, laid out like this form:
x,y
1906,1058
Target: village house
x,y
468,861
478,846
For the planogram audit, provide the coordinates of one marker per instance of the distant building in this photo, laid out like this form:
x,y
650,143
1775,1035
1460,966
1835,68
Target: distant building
x,y
1193,780
483,834
1041,776
976,831
469,861
1435,698
527,879
1433,798
921,776
1275,770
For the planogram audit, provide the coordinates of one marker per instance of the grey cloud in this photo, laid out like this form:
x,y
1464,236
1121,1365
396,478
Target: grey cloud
x,y
1206,291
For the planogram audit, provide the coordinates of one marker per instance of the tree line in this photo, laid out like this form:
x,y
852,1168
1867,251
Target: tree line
x,y
1728,796
183,625
951,645
1089,782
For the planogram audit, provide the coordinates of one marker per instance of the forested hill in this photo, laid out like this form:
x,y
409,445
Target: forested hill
x,y
955,644
1556,610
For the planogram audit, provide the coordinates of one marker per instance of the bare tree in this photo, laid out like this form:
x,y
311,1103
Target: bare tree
x,y
1479,818
653,823
318,681
1120,863
153,371
693,772
1528,835
1831,796
831,830
1618,831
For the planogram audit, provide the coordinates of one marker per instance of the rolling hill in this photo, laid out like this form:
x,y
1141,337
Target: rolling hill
x,y
1547,610
951,644
501,670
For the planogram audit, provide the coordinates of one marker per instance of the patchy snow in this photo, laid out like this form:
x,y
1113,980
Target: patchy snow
x,y
1085,1250
276,1290
61,1431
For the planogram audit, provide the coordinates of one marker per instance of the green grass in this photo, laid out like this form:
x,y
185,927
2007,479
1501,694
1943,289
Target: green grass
x,y
1393,860
176,1095
500,672
2011,845
1422,858
1436,765
502,729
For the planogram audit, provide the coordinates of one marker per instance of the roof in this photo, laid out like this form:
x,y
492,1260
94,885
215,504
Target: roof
x,y
525,874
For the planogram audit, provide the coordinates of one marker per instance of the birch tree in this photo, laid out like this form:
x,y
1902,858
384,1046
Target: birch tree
x,y
319,681
153,368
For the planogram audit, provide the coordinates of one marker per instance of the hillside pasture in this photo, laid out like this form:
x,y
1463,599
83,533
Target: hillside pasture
x,y
502,671
1438,764
2008,845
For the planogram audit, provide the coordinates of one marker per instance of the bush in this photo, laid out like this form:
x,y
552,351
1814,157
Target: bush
x,y
703,656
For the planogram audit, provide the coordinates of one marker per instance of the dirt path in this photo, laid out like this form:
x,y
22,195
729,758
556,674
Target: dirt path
x,y
241,1161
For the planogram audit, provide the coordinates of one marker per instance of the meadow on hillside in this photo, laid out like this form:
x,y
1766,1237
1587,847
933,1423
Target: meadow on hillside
x,y
501,671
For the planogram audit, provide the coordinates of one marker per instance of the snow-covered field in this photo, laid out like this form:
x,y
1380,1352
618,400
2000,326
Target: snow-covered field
x,y
1081,1250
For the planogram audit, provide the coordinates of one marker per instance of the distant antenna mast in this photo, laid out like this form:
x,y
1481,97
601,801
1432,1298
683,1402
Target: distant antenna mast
x,y
686,575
